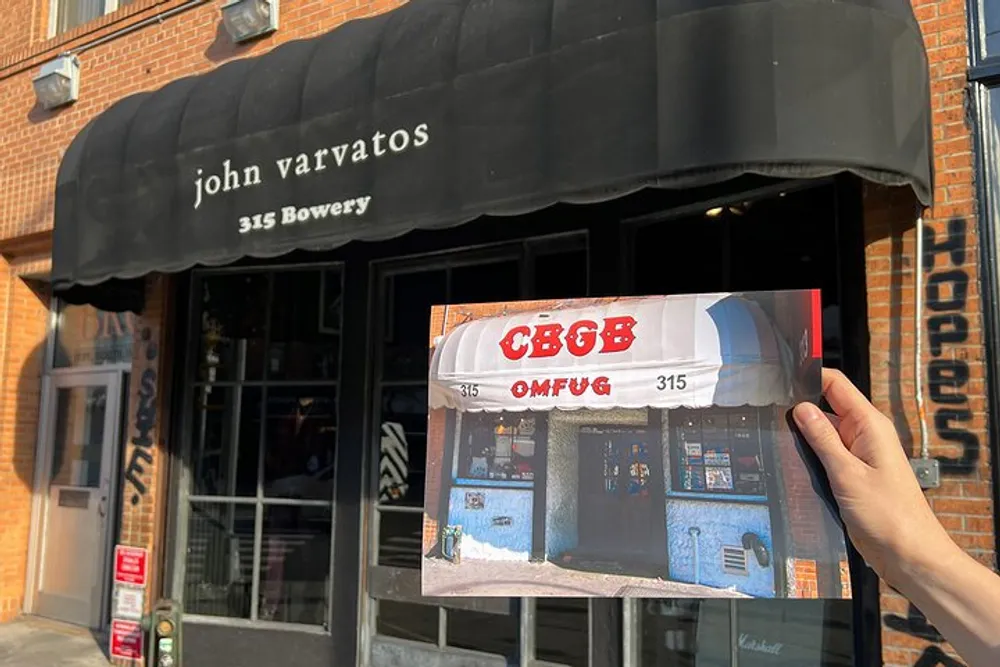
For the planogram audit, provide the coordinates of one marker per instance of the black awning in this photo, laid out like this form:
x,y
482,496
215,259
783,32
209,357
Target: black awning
x,y
445,110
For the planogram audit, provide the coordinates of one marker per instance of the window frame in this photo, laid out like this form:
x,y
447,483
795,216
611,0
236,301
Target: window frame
x,y
180,494
110,6
380,581
986,174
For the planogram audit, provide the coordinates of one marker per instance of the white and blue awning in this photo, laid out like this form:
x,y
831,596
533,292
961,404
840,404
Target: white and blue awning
x,y
682,351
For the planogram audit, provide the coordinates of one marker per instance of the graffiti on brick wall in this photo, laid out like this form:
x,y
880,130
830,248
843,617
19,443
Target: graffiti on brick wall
x,y
947,294
916,625
144,422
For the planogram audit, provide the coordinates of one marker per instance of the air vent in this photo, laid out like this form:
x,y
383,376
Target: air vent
x,y
734,560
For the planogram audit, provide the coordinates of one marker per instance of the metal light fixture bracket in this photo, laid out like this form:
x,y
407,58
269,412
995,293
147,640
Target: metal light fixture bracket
x,y
58,82
245,20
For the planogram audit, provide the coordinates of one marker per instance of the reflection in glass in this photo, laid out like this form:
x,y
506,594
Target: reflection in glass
x,y
295,564
407,323
219,563
560,275
79,437
86,336
234,310
407,406
225,440
300,442
305,325
484,283
562,631
761,633
404,620
483,632
399,539
402,457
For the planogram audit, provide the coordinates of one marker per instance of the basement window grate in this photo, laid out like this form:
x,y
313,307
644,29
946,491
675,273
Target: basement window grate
x,y
734,560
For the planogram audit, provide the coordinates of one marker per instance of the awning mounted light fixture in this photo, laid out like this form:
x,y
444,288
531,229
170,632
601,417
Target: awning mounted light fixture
x,y
58,82
248,19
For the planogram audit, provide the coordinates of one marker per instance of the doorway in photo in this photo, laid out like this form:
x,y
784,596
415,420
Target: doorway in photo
x,y
620,510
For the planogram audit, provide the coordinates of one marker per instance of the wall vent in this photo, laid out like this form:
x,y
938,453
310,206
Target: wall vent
x,y
734,560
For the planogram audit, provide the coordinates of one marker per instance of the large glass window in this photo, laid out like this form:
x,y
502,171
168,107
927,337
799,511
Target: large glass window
x,y
756,247
86,336
718,451
491,447
497,446
761,633
262,439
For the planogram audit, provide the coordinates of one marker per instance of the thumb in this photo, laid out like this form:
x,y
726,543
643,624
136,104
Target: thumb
x,y
821,435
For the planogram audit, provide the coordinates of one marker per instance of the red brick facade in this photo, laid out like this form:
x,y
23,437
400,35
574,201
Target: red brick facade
x,y
32,143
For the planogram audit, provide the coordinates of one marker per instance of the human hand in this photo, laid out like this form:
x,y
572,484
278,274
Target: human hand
x,y
885,512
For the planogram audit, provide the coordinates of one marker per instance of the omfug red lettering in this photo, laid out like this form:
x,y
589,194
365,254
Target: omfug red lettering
x,y
578,386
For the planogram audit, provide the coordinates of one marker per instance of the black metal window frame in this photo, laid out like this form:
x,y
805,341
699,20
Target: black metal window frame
x,y
186,383
614,624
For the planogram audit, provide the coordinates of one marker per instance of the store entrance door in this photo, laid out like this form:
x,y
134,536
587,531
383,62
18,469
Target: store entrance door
x,y
80,441
618,509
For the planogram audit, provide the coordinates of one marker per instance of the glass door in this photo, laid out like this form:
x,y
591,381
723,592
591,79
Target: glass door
x,y
80,444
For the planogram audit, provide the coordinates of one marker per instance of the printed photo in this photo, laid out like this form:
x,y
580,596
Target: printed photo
x,y
628,447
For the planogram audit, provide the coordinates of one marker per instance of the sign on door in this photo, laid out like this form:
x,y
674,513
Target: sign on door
x,y
126,640
131,565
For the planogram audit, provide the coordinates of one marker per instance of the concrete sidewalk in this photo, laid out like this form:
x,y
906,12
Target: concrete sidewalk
x,y
519,578
32,642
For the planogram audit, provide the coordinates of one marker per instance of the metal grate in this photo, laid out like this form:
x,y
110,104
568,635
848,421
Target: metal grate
x,y
734,560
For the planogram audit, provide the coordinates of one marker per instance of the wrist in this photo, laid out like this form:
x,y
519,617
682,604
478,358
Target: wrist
x,y
924,563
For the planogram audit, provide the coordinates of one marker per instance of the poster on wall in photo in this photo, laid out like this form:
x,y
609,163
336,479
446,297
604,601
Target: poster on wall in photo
x,y
628,447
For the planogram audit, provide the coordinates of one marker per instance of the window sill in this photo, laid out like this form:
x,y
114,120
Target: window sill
x,y
725,497
495,483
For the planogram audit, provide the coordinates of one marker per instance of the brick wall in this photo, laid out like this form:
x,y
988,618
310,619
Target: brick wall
x,y
143,494
23,320
32,143
955,409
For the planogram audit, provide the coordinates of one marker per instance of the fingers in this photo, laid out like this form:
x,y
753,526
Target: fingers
x,y
821,435
845,399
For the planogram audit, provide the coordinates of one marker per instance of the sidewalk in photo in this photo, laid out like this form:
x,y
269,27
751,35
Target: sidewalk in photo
x,y
31,642
524,579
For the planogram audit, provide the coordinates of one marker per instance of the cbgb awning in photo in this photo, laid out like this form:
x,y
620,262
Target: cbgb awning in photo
x,y
659,352
442,111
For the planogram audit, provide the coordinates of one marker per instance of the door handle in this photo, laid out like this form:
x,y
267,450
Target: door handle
x,y
102,508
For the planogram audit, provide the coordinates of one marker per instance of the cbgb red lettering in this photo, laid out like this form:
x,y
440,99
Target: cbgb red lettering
x,y
509,346
580,338
617,334
545,342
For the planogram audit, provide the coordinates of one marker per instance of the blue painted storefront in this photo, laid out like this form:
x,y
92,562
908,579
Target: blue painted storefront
x,y
718,525
496,522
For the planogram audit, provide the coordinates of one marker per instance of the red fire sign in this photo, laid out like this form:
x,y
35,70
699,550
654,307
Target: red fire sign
x,y
126,640
130,565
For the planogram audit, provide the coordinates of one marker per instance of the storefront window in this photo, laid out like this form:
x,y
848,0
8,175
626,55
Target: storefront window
x,y
263,438
755,633
765,248
86,336
718,451
495,449
497,446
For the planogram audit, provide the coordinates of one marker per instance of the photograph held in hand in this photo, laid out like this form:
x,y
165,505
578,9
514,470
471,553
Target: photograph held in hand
x,y
628,447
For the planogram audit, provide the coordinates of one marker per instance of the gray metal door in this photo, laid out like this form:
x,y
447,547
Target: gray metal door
x,y
78,473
